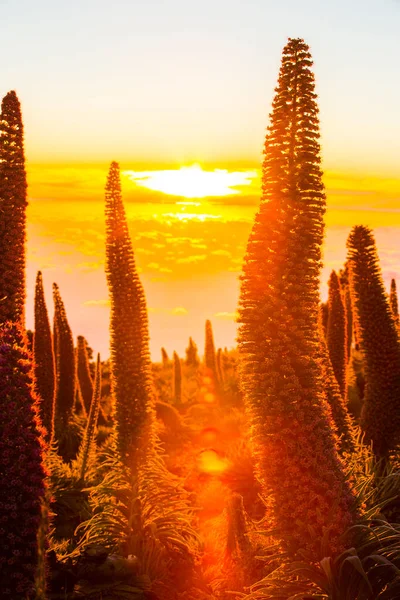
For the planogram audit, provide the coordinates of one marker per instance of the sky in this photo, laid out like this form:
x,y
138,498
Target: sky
x,y
179,93
172,81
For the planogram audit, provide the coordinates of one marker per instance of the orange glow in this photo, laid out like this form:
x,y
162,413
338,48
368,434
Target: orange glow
x,y
209,435
211,462
209,397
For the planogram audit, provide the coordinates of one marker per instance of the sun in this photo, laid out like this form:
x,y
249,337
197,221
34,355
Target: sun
x,y
193,181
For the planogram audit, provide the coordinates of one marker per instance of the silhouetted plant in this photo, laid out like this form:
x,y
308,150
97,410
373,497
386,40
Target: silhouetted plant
x,y
13,203
22,475
43,365
137,489
65,371
298,464
336,333
394,305
192,357
177,379
210,358
324,316
130,357
165,358
340,414
346,295
220,368
84,375
380,417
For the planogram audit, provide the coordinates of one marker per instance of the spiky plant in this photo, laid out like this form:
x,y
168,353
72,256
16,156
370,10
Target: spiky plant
x,y
13,203
43,355
324,316
340,414
336,332
293,439
130,356
210,358
83,370
380,417
220,368
22,474
137,490
192,357
177,379
65,367
394,304
345,286
165,358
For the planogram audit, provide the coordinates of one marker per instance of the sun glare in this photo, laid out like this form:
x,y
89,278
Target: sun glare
x,y
193,181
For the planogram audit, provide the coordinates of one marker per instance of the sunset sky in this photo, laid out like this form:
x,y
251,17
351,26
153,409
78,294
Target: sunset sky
x,y
179,93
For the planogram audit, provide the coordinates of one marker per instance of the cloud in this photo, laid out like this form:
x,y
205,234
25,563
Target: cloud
x,y
226,315
221,253
104,302
191,259
91,266
178,311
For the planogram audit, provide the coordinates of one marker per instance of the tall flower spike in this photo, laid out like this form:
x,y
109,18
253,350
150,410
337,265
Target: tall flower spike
x,y
164,358
192,358
380,417
65,362
210,359
130,356
345,285
336,334
43,358
394,304
177,379
84,375
22,475
336,400
292,430
13,203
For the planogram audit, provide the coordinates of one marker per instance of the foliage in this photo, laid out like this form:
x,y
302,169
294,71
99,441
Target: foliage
x,y
87,448
368,571
177,379
13,203
147,517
